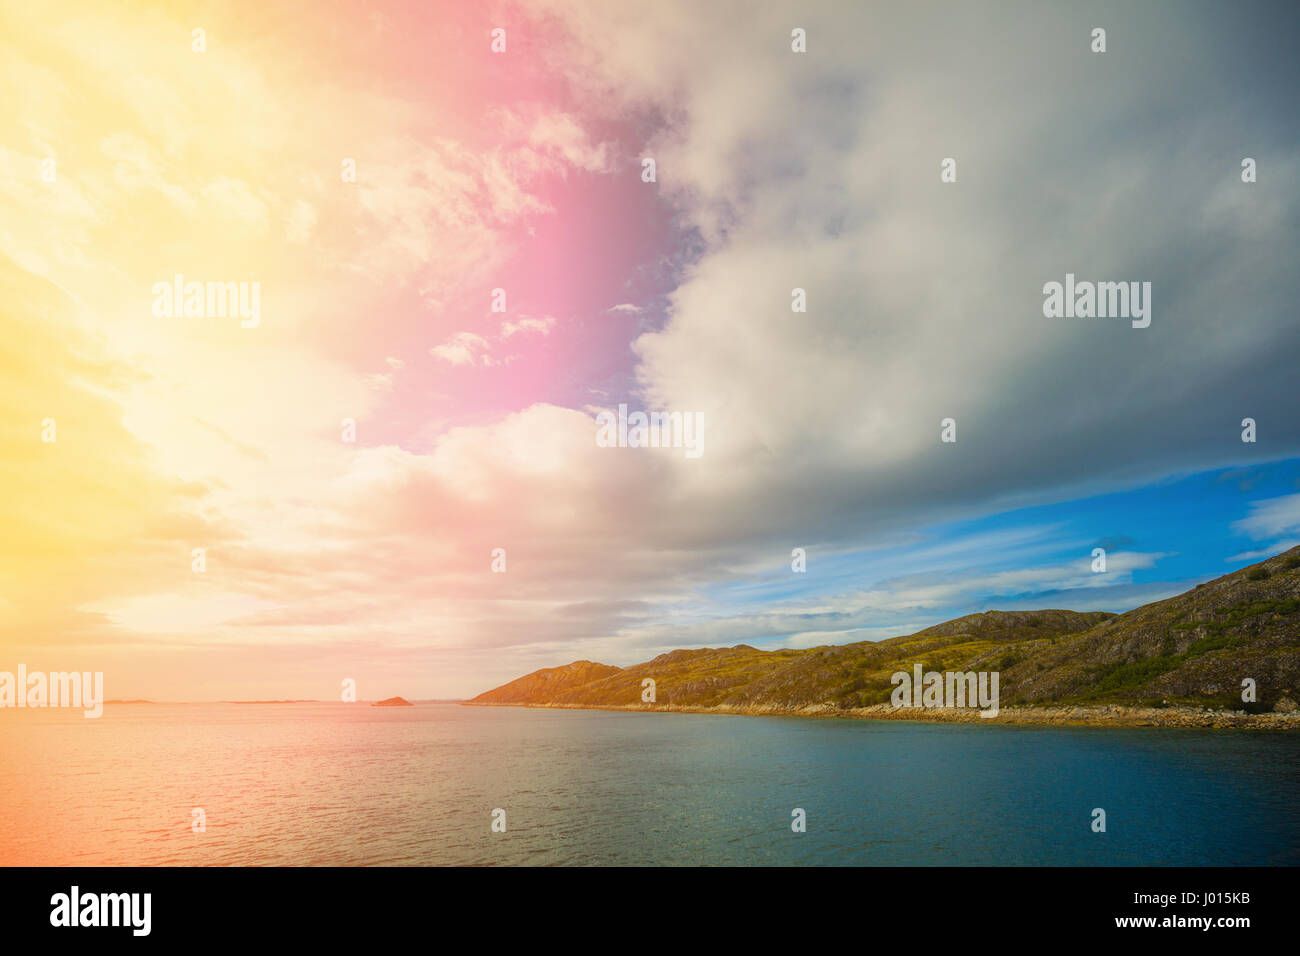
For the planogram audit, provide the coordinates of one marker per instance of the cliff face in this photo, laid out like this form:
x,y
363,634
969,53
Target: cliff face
x,y
1191,650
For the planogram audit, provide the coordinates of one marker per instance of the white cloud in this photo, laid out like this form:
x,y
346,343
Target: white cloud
x,y
560,133
1271,517
1274,520
463,348
300,222
528,323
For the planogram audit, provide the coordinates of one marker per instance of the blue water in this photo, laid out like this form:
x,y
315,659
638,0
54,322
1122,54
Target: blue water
x,y
351,784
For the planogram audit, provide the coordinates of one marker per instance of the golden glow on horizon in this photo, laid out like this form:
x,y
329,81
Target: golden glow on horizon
x,y
171,433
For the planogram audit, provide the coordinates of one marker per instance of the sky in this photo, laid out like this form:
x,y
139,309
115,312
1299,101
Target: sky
x,y
461,264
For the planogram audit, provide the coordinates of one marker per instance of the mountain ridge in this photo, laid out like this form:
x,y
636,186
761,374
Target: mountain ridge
x,y
1176,660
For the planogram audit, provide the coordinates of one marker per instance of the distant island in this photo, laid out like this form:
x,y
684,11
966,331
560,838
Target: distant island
x,y
272,701
393,702
1181,662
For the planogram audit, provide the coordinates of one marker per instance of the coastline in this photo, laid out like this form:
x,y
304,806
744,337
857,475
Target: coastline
x,y
1059,715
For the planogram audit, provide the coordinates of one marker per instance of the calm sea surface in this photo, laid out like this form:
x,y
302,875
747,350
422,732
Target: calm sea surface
x,y
352,784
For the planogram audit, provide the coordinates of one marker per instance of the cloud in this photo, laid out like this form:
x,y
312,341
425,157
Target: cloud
x,y
300,221
560,133
1271,517
1275,520
528,323
179,614
463,348
776,171
821,173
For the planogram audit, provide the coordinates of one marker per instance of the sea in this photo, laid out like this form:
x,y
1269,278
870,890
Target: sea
x,y
335,784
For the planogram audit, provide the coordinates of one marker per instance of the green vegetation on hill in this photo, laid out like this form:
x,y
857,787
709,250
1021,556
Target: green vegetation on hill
x,y
1191,649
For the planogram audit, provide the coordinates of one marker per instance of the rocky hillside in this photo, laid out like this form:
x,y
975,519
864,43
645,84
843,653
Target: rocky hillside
x,y
1189,650
551,683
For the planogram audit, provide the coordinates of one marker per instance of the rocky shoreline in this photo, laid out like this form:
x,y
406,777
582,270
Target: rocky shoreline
x,y
1064,715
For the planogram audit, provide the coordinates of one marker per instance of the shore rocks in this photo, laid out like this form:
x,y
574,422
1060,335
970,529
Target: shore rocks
x,y
1107,715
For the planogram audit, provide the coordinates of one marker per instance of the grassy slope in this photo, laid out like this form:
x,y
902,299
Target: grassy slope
x,y
1191,649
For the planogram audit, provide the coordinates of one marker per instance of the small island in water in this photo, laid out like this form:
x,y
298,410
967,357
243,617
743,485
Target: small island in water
x,y
393,702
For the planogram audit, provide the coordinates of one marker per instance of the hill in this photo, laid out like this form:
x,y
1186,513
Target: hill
x,y
1186,653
